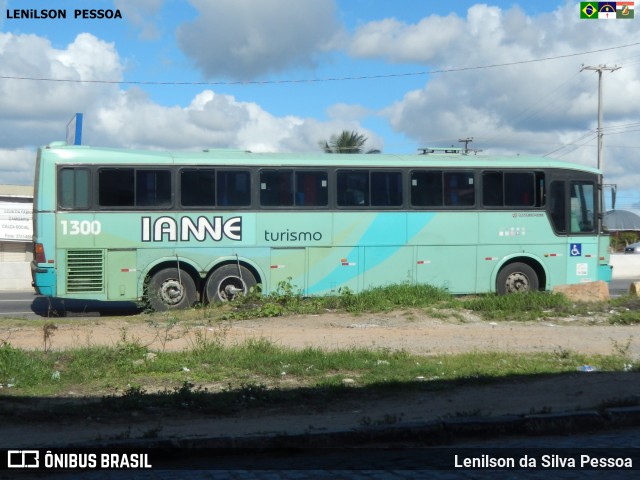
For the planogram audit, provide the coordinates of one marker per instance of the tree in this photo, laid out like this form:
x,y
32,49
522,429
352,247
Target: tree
x,y
346,142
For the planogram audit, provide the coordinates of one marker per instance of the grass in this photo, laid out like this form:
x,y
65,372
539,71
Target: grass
x,y
262,372
518,307
286,300
213,376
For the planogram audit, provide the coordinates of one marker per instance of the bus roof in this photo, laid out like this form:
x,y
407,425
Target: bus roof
x,y
61,153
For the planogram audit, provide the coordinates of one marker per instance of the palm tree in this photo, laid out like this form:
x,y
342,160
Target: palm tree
x,y
346,142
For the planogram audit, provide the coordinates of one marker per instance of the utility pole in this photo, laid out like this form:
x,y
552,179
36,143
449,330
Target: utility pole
x,y
600,69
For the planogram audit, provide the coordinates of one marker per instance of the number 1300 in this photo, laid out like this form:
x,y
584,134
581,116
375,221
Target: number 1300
x,y
80,227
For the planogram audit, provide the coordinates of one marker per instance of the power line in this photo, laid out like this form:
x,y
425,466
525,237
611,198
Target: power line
x,y
584,139
313,80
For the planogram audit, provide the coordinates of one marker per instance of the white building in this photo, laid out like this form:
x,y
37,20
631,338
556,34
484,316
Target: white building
x,y
16,231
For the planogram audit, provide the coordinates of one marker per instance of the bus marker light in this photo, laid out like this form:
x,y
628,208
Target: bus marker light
x,y
39,251
423,262
491,258
348,264
127,270
278,266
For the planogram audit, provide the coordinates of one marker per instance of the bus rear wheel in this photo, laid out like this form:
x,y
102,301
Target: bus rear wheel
x,y
229,281
517,278
171,289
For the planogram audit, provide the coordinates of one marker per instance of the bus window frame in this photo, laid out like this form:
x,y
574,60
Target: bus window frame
x,y
568,178
135,208
539,198
90,187
445,190
367,205
217,169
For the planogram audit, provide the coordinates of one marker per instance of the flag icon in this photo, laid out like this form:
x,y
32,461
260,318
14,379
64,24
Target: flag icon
x,y
624,10
589,10
607,10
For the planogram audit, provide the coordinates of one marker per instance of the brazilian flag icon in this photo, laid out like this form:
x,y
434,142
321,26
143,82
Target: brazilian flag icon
x,y
589,10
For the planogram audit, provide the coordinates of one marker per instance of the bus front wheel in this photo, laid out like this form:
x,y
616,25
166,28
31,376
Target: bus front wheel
x,y
229,281
516,278
171,288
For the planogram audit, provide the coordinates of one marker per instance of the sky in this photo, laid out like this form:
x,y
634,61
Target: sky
x,y
285,75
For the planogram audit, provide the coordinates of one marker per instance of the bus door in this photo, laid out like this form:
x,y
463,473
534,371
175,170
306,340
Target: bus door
x,y
582,265
573,211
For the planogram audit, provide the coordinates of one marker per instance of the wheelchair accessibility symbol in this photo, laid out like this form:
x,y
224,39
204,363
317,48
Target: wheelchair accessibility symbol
x,y
575,250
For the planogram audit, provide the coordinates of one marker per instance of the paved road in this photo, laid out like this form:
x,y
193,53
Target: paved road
x,y
26,304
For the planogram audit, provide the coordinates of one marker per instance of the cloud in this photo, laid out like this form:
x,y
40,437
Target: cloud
x,y
527,107
142,14
211,120
35,113
350,112
245,39
17,166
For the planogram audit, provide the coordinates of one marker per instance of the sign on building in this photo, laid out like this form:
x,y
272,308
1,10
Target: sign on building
x,y
15,222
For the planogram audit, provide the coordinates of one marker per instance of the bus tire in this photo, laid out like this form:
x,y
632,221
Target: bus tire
x,y
171,289
227,282
517,277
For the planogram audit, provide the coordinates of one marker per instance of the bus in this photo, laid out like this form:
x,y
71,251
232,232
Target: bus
x,y
178,228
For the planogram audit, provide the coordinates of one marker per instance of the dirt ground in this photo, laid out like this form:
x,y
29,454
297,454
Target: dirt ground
x,y
412,331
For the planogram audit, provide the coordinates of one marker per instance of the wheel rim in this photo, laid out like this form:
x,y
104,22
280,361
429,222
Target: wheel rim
x,y
230,287
517,282
171,292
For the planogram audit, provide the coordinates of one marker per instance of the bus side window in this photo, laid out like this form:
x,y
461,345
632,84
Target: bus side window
x,y
276,188
519,189
557,206
233,188
153,188
582,207
386,189
459,189
426,188
116,187
198,187
73,187
353,188
311,189
492,191
541,199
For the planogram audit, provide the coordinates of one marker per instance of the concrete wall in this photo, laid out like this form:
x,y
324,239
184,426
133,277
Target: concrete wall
x,y
625,265
15,276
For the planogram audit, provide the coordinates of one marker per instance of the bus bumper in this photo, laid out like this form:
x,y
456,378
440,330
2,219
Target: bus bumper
x,y
44,280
